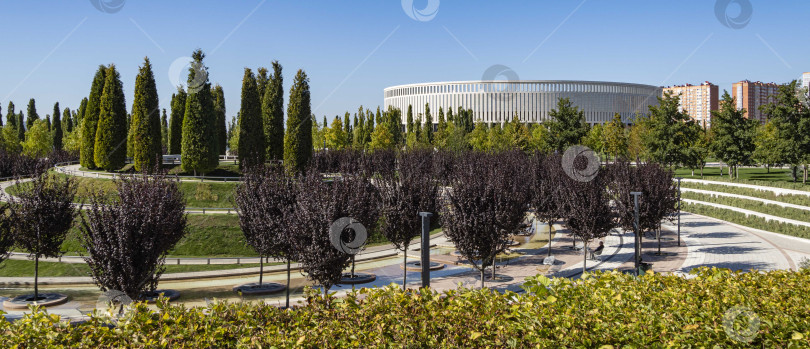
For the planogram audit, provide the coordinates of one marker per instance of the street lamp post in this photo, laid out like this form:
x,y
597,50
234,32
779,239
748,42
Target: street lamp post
x,y
425,249
679,210
636,232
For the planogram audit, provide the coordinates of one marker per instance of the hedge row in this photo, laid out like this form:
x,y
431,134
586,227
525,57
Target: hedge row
x,y
803,200
716,308
753,205
748,221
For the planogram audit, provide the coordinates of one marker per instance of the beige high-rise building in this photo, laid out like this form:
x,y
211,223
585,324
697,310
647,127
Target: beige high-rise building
x,y
752,95
697,100
806,80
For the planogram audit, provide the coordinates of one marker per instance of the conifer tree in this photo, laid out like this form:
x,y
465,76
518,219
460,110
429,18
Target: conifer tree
x,y
198,126
111,134
21,126
298,138
347,126
176,122
273,114
56,113
410,120
164,131
251,133
1,116
221,128
262,80
32,113
82,110
359,130
11,116
48,122
67,120
57,129
89,116
145,125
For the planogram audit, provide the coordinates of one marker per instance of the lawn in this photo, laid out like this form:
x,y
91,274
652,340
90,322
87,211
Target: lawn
x,y
225,169
197,194
759,176
20,268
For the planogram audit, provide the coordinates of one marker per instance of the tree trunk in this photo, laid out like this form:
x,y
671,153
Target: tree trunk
x,y
767,168
701,172
584,256
721,170
494,258
549,239
36,277
659,240
352,266
261,270
693,172
482,274
405,267
288,283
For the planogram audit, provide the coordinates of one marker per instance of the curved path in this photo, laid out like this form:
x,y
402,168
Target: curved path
x,y
752,198
749,212
777,191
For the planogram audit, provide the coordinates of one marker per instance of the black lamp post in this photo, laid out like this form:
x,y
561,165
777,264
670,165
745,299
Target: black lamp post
x,y
637,244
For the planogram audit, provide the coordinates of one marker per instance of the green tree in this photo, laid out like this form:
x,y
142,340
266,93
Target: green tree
x,y
56,113
792,118
89,118
393,119
56,129
567,125
67,121
81,111
164,131
479,137
540,138
594,139
21,126
11,116
219,111
381,139
670,132
111,135
614,137
770,150
48,121
496,142
410,120
38,140
347,127
369,129
233,135
516,135
176,121
733,135
145,124
197,149
251,131
273,114
637,133
427,130
335,135
32,114
298,139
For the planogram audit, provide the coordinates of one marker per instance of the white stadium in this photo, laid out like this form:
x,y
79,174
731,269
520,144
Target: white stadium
x,y
531,100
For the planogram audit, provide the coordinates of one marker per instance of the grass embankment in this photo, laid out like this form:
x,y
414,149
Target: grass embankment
x,y
803,200
779,178
748,221
197,194
757,206
225,169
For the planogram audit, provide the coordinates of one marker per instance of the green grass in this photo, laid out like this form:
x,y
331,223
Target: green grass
x,y
757,206
24,268
197,194
225,169
779,178
748,221
803,200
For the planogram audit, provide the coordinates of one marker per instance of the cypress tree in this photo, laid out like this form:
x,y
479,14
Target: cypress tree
x,y
369,129
11,116
262,79
32,114
21,126
273,114
56,114
67,120
1,116
164,132
145,124
410,120
82,109
251,133
394,122
57,129
198,126
48,122
359,136
221,127
347,126
111,133
298,139
89,117
427,131
176,121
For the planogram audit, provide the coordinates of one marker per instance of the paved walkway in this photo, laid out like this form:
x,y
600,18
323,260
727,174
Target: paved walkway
x,y
752,198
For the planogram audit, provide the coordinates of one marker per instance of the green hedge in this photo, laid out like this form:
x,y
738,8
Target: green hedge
x,y
753,205
803,200
748,221
601,310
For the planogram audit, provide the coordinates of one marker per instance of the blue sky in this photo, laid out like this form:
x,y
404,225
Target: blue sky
x,y
351,50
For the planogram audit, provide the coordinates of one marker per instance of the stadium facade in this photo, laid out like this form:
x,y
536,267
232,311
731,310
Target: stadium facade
x,y
530,100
